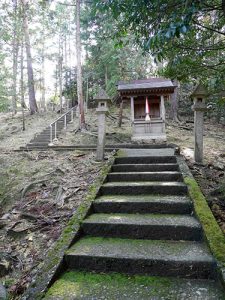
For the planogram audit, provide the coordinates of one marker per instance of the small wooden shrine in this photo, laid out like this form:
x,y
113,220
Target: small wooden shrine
x,y
147,98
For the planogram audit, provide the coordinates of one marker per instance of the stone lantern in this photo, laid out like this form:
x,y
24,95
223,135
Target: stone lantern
x,y
102,108
199,95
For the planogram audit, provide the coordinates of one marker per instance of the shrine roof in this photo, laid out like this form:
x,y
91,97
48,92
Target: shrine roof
x,y
145,86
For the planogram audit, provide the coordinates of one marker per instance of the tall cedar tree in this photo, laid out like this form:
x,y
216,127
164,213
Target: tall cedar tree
x,y
32,99
79,70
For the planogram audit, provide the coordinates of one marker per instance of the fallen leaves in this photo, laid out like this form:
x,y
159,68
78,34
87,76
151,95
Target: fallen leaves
x,y
30,225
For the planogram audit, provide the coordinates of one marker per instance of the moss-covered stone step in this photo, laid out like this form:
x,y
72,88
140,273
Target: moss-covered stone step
x,y
141,187
145,176
152,257
144,167
146,160
157,151
91,286
143,226
143,204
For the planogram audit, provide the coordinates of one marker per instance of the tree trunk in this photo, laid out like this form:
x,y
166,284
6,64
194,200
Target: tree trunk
x,y
174,104
60,83
56,86
87,94
43,104
79,70
106,76
15,57
22,101
32,99
70,68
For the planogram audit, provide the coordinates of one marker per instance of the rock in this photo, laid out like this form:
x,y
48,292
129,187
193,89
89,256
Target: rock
x,y
5,216
3,293
218,166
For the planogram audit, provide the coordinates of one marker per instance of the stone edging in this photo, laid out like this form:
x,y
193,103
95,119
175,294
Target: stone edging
x,y
212,232
52,266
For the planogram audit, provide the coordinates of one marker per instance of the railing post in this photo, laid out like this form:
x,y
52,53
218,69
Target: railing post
x,y
72,115
50,134
65,121
55,130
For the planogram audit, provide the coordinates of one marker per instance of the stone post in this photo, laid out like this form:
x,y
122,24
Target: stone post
x,y
101,135
162,108
199,108
101,111
163,113
132,108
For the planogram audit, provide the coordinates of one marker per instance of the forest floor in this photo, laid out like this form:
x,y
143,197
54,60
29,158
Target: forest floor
x,y
40,190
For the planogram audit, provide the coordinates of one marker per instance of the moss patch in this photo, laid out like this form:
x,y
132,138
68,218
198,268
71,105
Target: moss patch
x,y
89,286
77,284
120,153
212,230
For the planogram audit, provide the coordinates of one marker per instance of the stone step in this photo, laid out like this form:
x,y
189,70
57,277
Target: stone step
x,y
59,127
147,152
153,257
40,139
143,226
146,160
147,187
143,204
94,286
43,135
145,176
46,131
108,147
39,144
144,167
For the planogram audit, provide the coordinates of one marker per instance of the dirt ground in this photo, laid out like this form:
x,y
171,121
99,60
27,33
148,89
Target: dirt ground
x,y
210,174
40,190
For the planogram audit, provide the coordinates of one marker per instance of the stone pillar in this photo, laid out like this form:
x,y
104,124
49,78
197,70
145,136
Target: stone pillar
x,y
162,108
102,98
132,108
199,108
163,113
101,134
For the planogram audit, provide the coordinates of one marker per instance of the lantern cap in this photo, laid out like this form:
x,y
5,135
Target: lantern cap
x,y
102,95
200,91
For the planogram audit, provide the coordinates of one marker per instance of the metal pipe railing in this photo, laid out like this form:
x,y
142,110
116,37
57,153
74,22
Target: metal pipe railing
x,y
64,116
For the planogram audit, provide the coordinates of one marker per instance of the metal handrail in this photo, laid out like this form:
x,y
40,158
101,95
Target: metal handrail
x,y
54,124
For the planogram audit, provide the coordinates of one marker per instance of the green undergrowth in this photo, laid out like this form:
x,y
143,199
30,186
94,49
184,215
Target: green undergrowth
x,y
212,231
55,255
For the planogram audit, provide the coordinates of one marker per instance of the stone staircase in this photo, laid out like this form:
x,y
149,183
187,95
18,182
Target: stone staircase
x,y
42,139
142,223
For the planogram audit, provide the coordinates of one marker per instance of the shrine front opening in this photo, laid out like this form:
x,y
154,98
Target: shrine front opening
x,y
147,98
